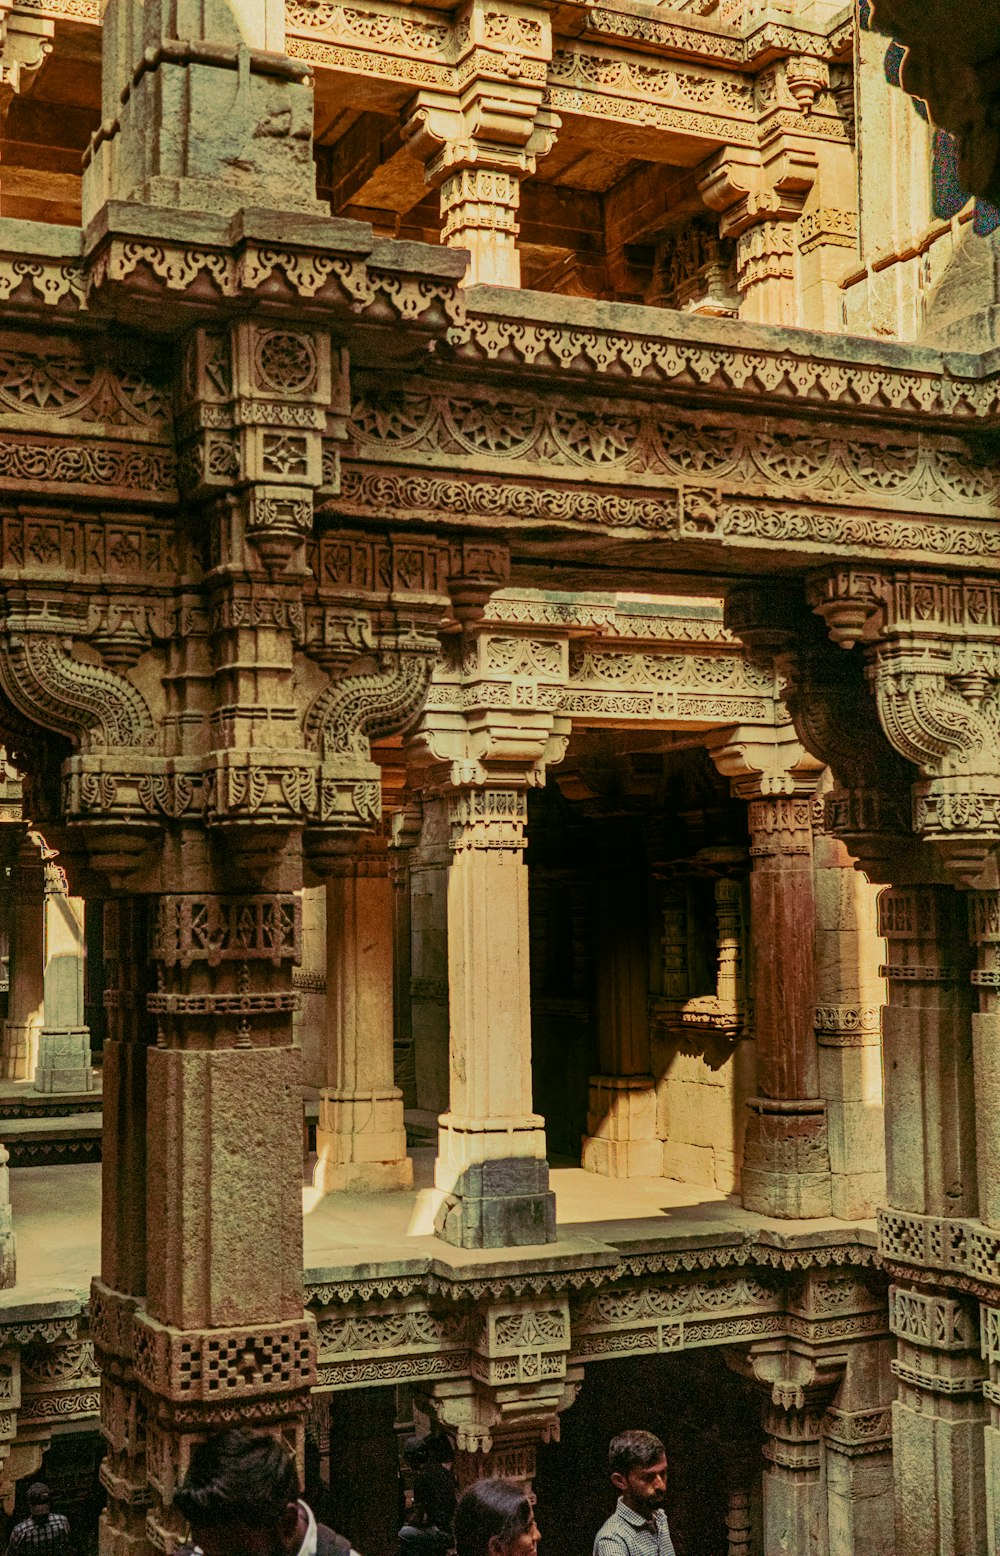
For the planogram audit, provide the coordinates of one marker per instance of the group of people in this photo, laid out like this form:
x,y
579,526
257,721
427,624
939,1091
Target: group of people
x,y
241,1498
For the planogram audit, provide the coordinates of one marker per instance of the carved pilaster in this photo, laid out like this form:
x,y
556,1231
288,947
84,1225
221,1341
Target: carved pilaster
x,y
786,1168
938,1421
484,133
360,1139
796,1383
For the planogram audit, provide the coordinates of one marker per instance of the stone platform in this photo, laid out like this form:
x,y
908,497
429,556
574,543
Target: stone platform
x,y
57,1225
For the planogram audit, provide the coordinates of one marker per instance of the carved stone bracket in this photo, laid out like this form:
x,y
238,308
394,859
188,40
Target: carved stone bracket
x,y
933,663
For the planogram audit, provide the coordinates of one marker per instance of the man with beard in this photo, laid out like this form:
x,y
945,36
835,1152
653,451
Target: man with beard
x,y
638,1525
241,1498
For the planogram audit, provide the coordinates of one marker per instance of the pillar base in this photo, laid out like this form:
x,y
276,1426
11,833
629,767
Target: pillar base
x,y
64,1060
621,1139
361,1141
20,1050
504,1203
360,1177
786,1160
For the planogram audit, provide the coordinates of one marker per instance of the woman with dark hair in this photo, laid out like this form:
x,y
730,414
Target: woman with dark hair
x,y
495,1518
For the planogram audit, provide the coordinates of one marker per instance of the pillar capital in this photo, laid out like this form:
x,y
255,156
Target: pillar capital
x,y
765,764
482,133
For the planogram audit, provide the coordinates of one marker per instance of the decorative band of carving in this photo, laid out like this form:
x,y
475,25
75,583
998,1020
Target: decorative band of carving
x,y
967,1248
936,1382
309,981
209,1366
259,1004
857,1432
925,1319
899,973
228,929
848,1026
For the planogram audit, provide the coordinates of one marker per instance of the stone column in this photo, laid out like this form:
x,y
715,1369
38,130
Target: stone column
x,y
796,1384
621,1139
857,1438
429,864
405,832
120,1289
310,981
361,1139
491,1163
786,1167
201,111
25,1004
984,923
219,1328
483,134
938,1417
64,1041
849,997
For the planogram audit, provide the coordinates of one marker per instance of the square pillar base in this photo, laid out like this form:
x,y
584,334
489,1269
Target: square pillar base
x,y
621,1139
64,1060
502,1203
20,1050
361,1142
786,1160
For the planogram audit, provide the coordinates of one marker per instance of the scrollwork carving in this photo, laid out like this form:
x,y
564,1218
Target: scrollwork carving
x,y
97,708
351,712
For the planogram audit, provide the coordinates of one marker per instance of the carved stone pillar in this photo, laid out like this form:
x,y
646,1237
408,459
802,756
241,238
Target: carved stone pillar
x,y
361,1139
786,1166
849,998
484,133
938,1416
429,864
310,982
215,1320
519,1388
122,1284
927,1038
796,1384
621,1139
405,831
25,1005
491,1148
760,196
64,1041
201,110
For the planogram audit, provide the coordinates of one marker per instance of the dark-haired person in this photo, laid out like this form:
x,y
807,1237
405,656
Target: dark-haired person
x,y
638,1526
241,1498
495,1518
43,1531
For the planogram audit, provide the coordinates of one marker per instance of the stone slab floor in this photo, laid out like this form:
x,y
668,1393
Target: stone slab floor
x,y
57,1226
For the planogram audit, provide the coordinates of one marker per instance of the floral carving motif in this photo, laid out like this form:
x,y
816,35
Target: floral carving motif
x,y
286,361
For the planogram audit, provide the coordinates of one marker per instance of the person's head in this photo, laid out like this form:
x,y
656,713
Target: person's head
x,y
415,1452
495,1518
240,1496
638,1464
438,1448
38,1499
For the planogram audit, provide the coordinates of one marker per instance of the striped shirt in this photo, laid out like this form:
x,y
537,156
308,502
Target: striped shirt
x,y
629,1534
